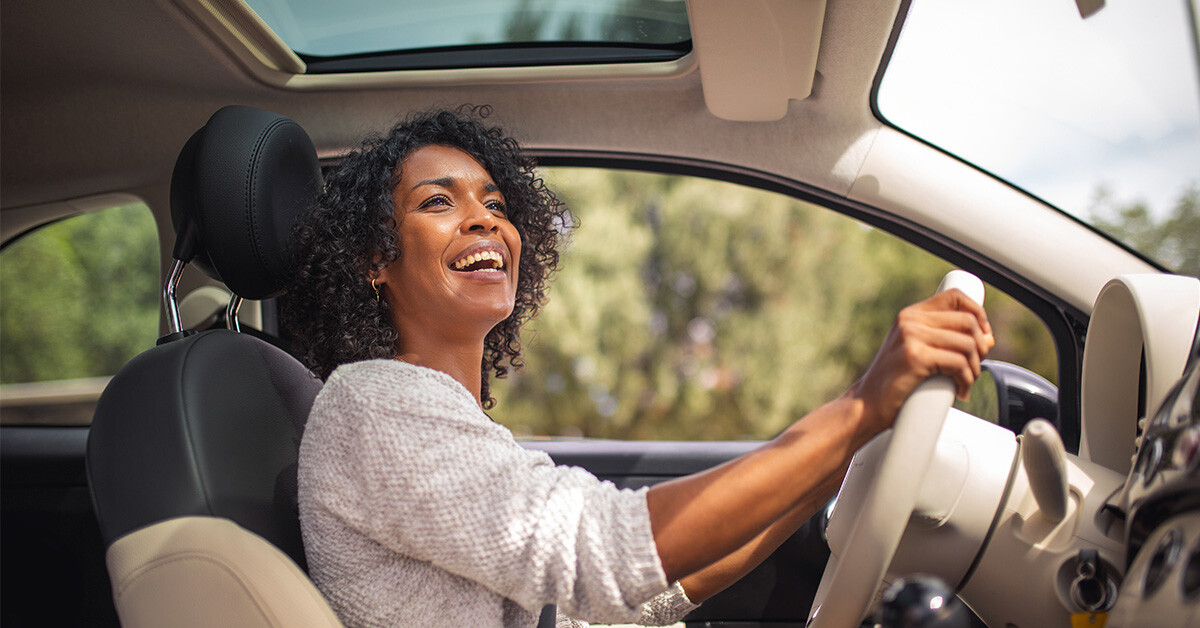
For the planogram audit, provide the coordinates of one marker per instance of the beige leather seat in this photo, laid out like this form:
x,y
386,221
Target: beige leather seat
x,y
209,571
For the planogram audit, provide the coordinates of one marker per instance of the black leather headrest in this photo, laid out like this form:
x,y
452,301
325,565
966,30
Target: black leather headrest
x,y
239,186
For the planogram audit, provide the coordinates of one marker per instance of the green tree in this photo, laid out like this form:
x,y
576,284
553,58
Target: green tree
x,y
1173,241
79,297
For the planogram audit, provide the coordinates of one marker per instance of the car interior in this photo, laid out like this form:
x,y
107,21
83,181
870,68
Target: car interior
x,y
161,491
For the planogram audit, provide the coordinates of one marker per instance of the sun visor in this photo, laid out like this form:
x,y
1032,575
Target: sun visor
x,y
755,56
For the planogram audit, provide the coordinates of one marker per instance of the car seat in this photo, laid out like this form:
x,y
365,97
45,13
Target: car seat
x,y
191,458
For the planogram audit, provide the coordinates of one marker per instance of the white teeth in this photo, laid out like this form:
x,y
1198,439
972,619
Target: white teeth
x,y
494,256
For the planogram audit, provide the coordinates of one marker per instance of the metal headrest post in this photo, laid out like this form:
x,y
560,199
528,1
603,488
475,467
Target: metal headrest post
x,y
170,304
231,312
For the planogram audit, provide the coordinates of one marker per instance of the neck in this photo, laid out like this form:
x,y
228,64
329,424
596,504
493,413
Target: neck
x,y
462,361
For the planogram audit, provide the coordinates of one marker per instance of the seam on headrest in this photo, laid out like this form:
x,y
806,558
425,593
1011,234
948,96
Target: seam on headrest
x,y
185,413
251,176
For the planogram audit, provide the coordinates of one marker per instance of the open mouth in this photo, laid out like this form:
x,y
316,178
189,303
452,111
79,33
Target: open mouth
x,y
482,260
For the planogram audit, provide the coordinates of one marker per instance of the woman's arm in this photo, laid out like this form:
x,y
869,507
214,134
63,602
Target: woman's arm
x,y
713,579
734,511
701,519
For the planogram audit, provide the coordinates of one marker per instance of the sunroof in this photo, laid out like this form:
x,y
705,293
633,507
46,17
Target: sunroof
x,y
358,35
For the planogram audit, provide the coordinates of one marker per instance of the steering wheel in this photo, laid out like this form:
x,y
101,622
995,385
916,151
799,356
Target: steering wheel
x,y
852,576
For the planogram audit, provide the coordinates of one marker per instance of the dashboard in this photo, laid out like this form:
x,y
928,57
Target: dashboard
x,y
1162,581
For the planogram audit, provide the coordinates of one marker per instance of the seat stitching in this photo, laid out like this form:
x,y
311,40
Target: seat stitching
x,y
251,176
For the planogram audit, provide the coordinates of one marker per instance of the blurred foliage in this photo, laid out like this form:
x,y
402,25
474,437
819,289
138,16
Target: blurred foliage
x,y
620,21
1173,241
689,309
79,297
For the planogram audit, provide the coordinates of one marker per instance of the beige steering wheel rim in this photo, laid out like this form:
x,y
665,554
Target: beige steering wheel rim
x,y
851,579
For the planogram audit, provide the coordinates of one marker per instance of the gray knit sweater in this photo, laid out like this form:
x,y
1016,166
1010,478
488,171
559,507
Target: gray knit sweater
x,y
419,510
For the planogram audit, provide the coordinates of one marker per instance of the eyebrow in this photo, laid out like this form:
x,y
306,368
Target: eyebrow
x,y
442,182
449,182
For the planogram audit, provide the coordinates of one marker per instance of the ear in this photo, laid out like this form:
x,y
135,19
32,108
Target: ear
x,y
375,271
374,280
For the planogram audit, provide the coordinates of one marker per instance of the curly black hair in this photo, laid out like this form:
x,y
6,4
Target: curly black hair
x,y
331,310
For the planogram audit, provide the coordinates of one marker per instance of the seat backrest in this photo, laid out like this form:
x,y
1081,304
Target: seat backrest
x,y
192,452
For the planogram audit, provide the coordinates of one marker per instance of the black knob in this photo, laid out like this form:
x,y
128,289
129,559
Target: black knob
x,y
920,601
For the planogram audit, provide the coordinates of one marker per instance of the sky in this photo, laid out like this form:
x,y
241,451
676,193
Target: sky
x,y
1058,104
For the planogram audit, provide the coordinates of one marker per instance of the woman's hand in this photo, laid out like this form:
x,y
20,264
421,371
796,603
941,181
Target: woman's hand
x,y
947,334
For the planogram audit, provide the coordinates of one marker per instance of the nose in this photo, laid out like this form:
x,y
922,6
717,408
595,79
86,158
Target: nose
x,y
479,219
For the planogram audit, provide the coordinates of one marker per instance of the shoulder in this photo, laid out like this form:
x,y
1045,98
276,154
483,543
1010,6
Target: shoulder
x,y
390,372
390,390
394,382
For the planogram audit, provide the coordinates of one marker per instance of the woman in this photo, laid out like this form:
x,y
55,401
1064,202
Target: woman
x,y
428,250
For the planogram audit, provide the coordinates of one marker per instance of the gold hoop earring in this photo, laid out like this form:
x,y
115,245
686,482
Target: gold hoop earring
x,y
375,288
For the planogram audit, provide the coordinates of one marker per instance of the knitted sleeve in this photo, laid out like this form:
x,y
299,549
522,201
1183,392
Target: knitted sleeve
x,y
417,467
666,608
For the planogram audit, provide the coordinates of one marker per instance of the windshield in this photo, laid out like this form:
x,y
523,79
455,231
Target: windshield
x,y
1097,115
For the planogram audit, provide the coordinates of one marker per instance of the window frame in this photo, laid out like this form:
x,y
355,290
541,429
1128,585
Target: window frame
x,y
80,391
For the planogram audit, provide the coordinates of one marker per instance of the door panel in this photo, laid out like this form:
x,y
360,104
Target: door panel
x,y
51,553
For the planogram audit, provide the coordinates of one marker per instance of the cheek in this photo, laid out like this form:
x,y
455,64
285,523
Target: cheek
x,y
423,244
512,239
414,271
516,249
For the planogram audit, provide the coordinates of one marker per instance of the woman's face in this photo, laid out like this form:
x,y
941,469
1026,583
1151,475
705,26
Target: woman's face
x,y
457,271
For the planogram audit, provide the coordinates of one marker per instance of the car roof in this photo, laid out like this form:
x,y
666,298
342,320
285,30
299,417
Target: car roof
x,y
99,98
124,86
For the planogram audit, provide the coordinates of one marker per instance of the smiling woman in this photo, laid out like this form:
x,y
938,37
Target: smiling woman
x,y
453,195
350,239
416,507
454,227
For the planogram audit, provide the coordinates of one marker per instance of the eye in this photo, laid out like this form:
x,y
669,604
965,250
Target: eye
x,y
498,207
434,201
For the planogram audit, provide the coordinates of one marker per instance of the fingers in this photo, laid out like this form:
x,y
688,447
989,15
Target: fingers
x,y
957,304
961,331
930,349
962,303
948,334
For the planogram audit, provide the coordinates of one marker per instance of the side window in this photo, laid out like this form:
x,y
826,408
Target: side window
x,y
692,309
78,298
